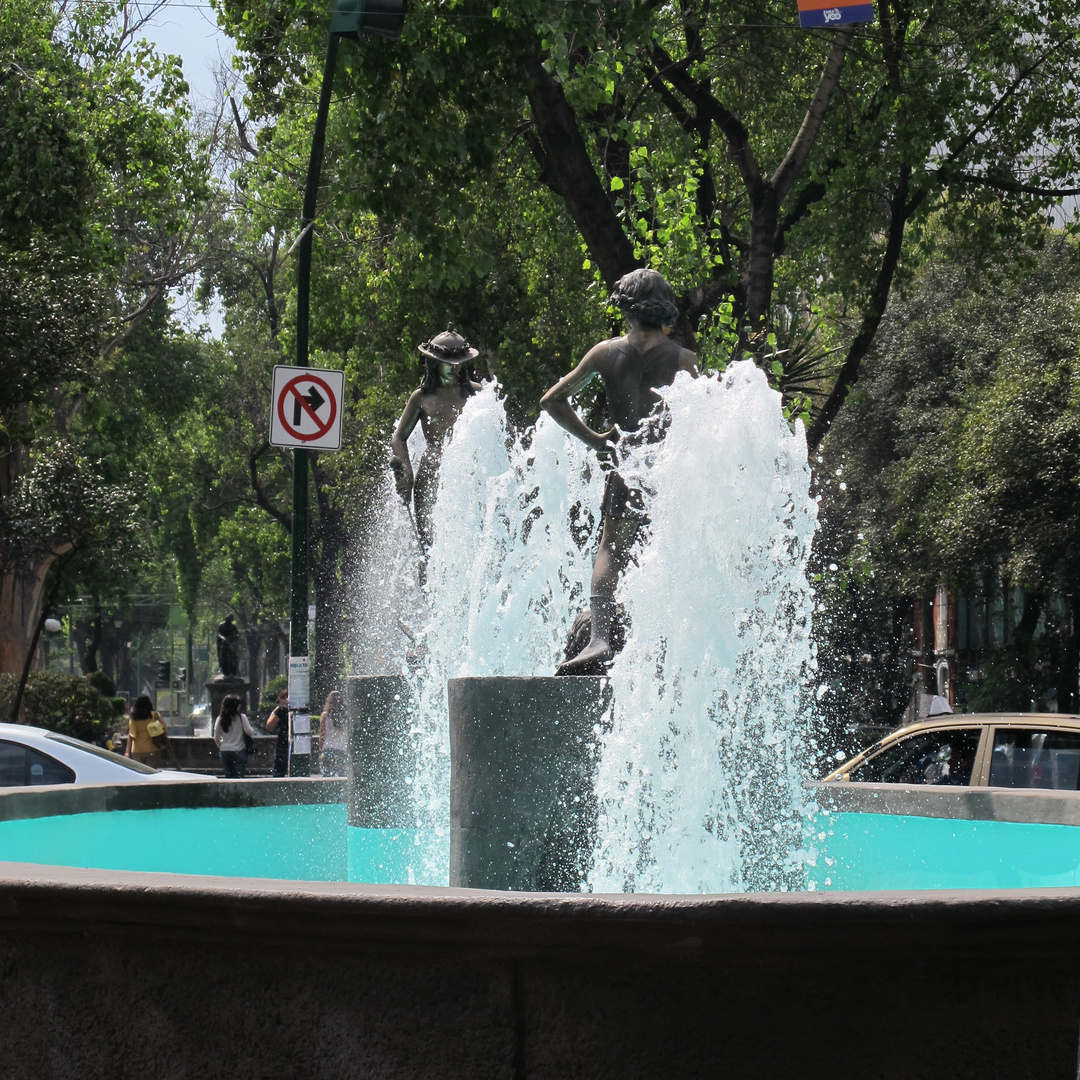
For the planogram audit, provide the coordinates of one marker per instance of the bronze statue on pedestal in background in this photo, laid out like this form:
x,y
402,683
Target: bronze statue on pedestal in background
x,y
228,648
631,367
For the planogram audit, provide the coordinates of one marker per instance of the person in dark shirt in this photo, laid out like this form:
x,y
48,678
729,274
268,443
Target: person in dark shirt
x,y
278,724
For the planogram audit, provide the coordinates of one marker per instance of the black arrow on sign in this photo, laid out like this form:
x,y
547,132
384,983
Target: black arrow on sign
x,y
313,398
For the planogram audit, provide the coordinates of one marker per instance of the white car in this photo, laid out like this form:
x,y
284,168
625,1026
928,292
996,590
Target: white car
x,y
32,756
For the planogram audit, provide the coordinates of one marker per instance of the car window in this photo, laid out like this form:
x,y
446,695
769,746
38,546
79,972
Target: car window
x,y
97,751
21,766
927,757
1033,758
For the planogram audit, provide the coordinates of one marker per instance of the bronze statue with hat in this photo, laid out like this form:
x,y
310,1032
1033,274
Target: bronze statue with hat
x,y
447,385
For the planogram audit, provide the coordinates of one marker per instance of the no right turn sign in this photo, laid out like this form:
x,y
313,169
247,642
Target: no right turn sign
x,y
305,408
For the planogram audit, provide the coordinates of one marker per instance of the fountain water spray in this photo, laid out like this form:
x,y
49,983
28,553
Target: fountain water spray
x,y
700,775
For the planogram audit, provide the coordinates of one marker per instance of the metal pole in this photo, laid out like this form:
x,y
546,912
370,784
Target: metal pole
x,y
300,764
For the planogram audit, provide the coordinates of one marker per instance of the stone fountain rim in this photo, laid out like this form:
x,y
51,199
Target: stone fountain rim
x,y
382,916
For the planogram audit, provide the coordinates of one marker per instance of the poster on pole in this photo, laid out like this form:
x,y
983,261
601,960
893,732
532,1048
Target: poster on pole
x,y
305,408
818,13
299,676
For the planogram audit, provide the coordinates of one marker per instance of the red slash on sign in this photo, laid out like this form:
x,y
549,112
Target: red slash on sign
x,y
307,401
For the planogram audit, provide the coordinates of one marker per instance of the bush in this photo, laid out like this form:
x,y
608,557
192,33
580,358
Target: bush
x,y
272,689
102,683
51,699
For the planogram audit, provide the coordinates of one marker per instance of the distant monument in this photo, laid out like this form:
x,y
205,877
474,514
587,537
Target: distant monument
x,y
228,648
228,680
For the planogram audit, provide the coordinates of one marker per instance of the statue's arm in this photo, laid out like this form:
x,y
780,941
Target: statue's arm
x,y
399,448
688,362
556,402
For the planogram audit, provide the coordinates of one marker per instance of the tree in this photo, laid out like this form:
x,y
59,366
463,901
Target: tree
x,y
957,462
737,155
100,203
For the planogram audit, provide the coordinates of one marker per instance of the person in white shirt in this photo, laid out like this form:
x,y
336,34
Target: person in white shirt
x,y
333,736
232,733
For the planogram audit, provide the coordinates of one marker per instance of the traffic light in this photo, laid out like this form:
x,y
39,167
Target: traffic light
x,y
164,667
181,678
376,18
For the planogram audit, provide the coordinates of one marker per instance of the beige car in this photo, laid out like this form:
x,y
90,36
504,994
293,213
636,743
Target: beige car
x,y
1009,750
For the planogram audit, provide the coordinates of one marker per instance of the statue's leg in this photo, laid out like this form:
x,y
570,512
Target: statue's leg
x,y
616,542
425,488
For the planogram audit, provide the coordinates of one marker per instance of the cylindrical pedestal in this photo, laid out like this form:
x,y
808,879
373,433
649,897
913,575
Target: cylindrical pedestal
x,y
523,760
220,688
381,756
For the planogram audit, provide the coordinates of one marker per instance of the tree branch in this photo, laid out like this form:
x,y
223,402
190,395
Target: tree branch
x,y
902,209
241,129
708,106
1012,185
812,193
574,176
799,150
975,132
261,497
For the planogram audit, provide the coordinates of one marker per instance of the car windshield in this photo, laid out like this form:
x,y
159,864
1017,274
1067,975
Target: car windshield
x,y
108,755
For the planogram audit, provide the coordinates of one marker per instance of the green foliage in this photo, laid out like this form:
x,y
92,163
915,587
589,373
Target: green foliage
x,y
271,690
51,700
54,316
957,461
102,684
688,115
61,505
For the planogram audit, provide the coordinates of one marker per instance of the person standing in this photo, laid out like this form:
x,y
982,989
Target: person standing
x,y
231,733
278,724
332,736
148,739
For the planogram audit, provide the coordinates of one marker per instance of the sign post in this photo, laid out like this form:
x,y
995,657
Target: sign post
x,y
301,412
305,413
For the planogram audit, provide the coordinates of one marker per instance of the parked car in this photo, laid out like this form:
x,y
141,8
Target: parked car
x,y
32,756
1010,750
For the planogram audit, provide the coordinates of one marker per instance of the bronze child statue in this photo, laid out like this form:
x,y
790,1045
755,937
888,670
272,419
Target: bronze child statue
x,y
631,368
436,405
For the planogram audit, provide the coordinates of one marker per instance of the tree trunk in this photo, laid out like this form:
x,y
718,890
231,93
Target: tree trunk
x,y
758,271
93,642
22,593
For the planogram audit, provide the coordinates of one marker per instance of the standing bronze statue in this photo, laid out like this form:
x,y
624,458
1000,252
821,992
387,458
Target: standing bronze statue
x,y
631,368
228,648
436,405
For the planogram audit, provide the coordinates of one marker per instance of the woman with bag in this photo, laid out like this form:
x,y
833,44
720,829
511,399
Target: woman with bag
x,y
147,739
234,738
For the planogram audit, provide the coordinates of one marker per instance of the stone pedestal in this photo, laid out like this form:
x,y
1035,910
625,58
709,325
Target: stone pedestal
x,y
381,755
221,687
523,761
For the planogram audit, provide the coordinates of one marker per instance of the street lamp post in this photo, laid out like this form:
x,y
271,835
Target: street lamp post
x,y
351,19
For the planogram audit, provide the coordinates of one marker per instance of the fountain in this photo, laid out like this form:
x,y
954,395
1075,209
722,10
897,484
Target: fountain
x,y
679,776
692,750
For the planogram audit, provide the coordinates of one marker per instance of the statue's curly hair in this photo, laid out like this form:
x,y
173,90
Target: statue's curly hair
x,y
646,296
